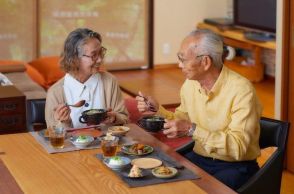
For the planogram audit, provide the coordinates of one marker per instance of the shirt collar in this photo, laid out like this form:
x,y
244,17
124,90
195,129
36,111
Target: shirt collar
x,y
71,83
220,81
75,85
92,81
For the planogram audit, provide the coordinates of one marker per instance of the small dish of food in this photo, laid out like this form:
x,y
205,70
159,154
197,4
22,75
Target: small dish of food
x,y
117,162
137,149
82,141
118,130
164,172
134,173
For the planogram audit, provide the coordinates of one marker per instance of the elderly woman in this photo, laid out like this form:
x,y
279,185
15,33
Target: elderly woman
x,y
82,56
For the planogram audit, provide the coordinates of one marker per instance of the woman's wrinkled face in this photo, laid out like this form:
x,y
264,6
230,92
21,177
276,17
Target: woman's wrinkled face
x,y
91,58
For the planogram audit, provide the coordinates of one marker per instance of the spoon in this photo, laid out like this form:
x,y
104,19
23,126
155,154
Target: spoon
x,y
78,104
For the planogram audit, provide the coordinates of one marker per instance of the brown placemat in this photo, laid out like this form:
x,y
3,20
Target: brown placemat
x,y
8,184
69,147
149,179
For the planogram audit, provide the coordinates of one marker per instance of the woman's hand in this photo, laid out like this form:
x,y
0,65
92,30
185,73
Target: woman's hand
x,y
111,117
176,128
62,113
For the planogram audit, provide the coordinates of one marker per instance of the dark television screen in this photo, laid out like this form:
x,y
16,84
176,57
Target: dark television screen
x,y
255,14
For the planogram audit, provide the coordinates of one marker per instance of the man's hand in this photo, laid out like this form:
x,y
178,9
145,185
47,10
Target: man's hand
x,y
146,103
176,128
62,113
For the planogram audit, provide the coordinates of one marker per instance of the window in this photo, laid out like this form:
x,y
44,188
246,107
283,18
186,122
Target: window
x,y
124,26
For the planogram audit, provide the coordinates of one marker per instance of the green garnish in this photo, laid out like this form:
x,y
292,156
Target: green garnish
x,y
116,158
82,137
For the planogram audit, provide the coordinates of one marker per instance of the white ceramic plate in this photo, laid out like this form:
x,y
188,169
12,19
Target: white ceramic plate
x,y
146,163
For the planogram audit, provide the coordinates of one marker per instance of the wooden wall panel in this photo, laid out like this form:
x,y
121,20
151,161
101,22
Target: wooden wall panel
x,y
288,78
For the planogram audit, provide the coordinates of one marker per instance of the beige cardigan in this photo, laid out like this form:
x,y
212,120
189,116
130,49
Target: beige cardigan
x,y
112,96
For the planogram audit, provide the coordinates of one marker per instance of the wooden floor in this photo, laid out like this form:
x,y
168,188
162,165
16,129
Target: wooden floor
x,y
265,91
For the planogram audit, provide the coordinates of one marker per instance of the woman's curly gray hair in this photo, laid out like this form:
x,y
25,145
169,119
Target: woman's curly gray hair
x,y
73,48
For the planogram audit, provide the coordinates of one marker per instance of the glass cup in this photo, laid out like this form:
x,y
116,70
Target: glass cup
x,y
56,137
109,146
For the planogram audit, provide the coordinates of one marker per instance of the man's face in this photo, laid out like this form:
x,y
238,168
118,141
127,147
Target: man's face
x,y
189,61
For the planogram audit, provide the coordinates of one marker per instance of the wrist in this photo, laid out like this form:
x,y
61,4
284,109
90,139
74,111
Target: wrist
x,y
191,130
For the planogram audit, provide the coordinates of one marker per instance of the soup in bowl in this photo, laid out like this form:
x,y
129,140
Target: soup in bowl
x,y
151,123
93,116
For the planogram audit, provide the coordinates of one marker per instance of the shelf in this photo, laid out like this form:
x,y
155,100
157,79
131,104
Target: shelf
x,y
251,72
235,38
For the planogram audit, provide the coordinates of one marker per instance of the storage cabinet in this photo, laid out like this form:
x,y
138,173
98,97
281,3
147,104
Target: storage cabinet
x,y
12,110
235,38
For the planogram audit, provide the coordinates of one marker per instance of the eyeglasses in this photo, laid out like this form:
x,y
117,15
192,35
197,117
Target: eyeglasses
x,y
101,53
183,60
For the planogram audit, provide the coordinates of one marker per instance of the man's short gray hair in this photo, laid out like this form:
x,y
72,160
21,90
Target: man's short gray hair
x,y
210,44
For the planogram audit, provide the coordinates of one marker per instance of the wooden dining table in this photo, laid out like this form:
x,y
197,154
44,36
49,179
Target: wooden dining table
x,y
36,171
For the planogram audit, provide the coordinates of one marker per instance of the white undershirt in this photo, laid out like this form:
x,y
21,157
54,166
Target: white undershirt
x,y
92,91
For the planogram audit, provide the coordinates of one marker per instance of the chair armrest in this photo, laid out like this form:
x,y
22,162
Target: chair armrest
x,y
184,149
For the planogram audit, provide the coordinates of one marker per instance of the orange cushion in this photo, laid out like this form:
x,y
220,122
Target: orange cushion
x,y
36,76
49,68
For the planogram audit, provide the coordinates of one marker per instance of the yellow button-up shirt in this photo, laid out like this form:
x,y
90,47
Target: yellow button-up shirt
x,y
226,118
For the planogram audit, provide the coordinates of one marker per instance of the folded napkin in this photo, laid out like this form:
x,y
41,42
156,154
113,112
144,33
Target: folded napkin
x,y
4,81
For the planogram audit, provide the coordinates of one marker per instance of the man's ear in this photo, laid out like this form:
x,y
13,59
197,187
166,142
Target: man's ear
x,y
206,62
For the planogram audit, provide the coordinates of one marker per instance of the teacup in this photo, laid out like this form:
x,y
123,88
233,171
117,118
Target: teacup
x,y
56,136
109,146
93,116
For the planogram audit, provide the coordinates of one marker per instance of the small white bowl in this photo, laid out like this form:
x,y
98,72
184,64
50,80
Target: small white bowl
x,y
118,130
173,172
82,144
111,162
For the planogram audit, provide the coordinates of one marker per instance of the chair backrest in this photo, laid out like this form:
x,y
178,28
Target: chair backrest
x,y
35,113
273,133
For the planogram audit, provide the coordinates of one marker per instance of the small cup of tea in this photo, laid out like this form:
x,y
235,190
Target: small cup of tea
x,y
109,145
56,137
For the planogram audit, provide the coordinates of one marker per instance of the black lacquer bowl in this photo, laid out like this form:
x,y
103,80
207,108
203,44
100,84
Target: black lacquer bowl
x,y
151,123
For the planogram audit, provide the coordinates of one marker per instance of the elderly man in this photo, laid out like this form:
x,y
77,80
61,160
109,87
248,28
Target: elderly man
x,y
218,107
